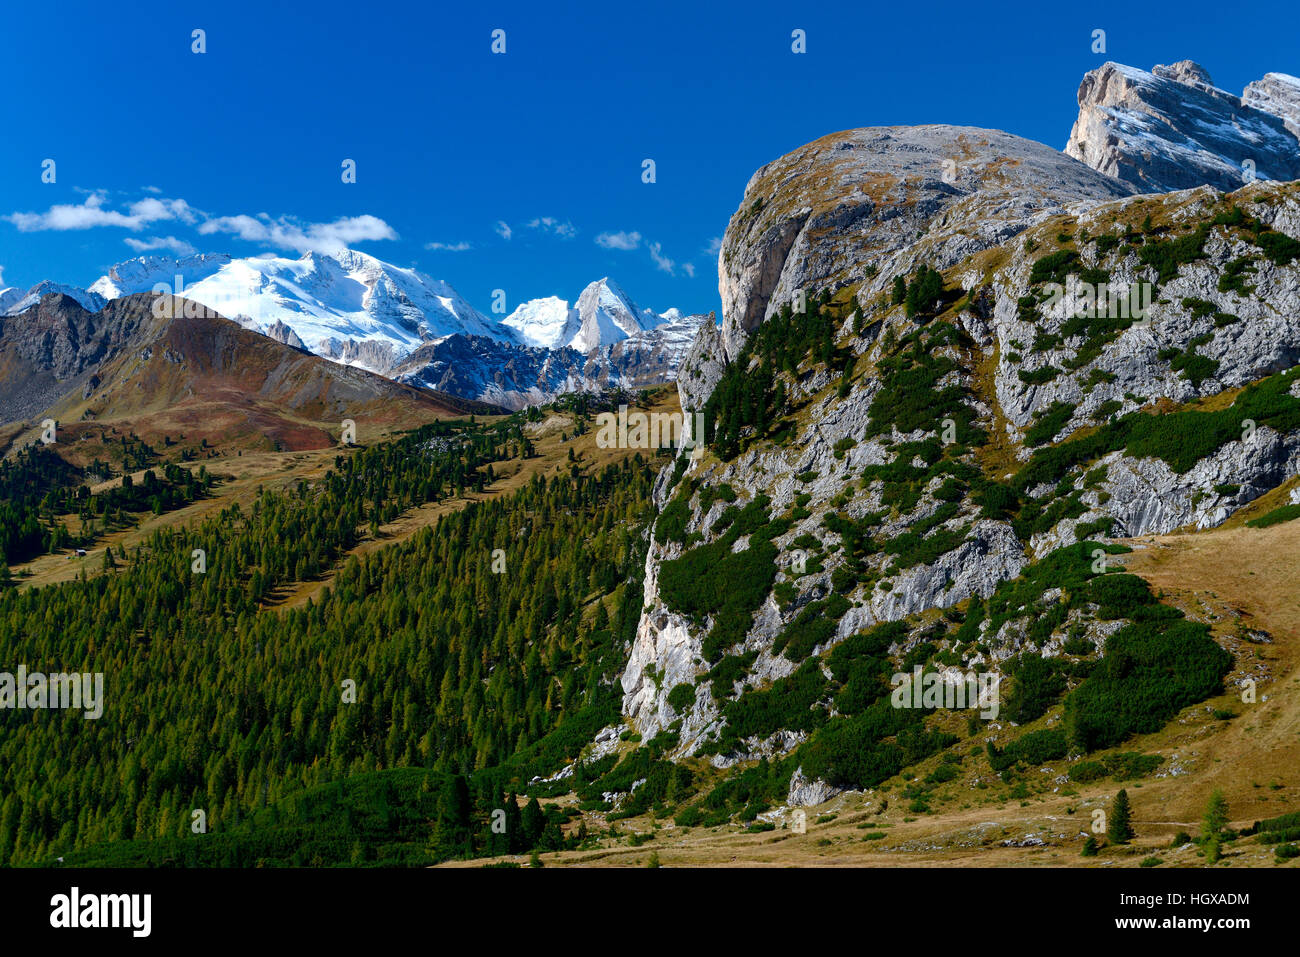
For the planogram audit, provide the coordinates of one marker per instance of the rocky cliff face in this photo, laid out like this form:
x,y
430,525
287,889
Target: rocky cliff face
x,y
702,366
1062,399
1276,93
1173,129
864,206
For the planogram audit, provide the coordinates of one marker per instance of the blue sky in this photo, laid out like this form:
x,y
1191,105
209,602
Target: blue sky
x,y
520,171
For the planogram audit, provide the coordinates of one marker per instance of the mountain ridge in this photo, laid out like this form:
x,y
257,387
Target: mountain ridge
x,y
1172,128
359,311
1053,408
163,372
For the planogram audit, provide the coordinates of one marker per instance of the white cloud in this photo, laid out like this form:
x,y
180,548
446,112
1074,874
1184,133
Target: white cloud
x,y
629,240
179,246
154,210
303,237
619,240
714,247
662,262
503,229
151,189
92,213
283,232
459,247
2,277
549,224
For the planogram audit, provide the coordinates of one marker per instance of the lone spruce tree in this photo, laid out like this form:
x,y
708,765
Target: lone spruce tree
x,y
1216,817
1119,829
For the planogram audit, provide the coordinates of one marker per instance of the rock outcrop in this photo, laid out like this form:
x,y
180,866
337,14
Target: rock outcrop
x,y
1279,94
1172,129
1229,301
866,205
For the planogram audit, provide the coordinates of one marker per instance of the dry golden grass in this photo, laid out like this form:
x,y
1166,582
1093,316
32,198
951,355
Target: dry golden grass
x,y
996,457
1246,578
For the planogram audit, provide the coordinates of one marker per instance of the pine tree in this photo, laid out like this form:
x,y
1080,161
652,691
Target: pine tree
x,y
1216,817
534,822
514,825
451,831
1119,829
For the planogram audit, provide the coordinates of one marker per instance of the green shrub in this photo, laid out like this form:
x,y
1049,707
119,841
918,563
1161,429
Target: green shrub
x,y
815,624
1037,747
1167,255
1037,685
787,704
1087,771
1278,247
728,671
1040,376
1233,277
1286,513
682,697
1054,267
1150,671
854,751
1098,527
923,292
1128,765
1049,423
674,518
713,580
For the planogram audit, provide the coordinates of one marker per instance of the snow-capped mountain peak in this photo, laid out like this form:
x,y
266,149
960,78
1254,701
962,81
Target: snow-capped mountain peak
x,y
548,323
145,272
8,297
347,305
15,301
1276,93
603,315
607,314
358,310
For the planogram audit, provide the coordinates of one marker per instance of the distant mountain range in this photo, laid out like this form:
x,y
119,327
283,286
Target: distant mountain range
x,y
360,311
201,381
15,301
